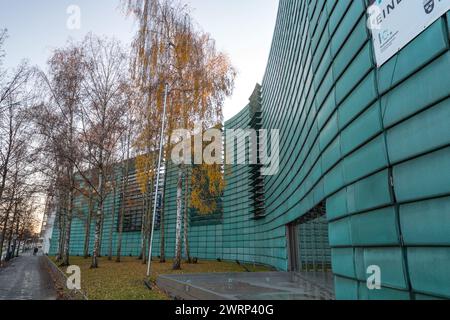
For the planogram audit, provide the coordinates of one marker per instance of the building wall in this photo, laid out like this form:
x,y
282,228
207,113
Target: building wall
x,y
204,237
373,143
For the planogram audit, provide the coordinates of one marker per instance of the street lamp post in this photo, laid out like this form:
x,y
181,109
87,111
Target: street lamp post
x,y
158,174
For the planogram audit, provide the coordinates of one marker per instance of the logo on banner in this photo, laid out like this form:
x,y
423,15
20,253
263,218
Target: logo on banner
x,y
428,5
395,23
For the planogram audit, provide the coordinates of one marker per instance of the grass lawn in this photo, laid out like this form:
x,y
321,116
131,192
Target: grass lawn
x,y
124,281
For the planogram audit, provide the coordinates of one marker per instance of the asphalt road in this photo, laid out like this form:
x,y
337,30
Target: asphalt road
x,y
25,278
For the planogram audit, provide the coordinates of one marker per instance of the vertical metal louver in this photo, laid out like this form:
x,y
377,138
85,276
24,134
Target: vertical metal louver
x,y
256,179
315,251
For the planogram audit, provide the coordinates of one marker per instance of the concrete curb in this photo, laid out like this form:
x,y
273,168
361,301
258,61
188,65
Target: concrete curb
x,y
61,280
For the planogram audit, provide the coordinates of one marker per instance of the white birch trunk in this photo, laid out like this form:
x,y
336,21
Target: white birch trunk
x,y
98,224
68,231
177,259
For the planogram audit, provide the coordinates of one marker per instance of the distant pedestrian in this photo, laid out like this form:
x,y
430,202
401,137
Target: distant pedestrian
x,y
35,251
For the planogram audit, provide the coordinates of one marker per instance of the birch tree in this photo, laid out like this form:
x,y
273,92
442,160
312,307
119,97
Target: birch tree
x,y
106,101
58,122
15,141
12,121
170,49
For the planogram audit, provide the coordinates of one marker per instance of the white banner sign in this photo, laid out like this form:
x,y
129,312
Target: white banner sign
x,y
394,23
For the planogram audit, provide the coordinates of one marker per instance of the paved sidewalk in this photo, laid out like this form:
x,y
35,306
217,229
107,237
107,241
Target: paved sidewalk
x,y
25,278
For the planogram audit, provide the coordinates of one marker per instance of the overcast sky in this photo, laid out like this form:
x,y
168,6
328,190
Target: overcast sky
x,y
242,28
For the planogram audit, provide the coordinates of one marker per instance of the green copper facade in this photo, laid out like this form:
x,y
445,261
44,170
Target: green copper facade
x,y
372,144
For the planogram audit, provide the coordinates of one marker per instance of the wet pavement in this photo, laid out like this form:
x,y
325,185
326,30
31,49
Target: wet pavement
x,y
26,278
250,286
